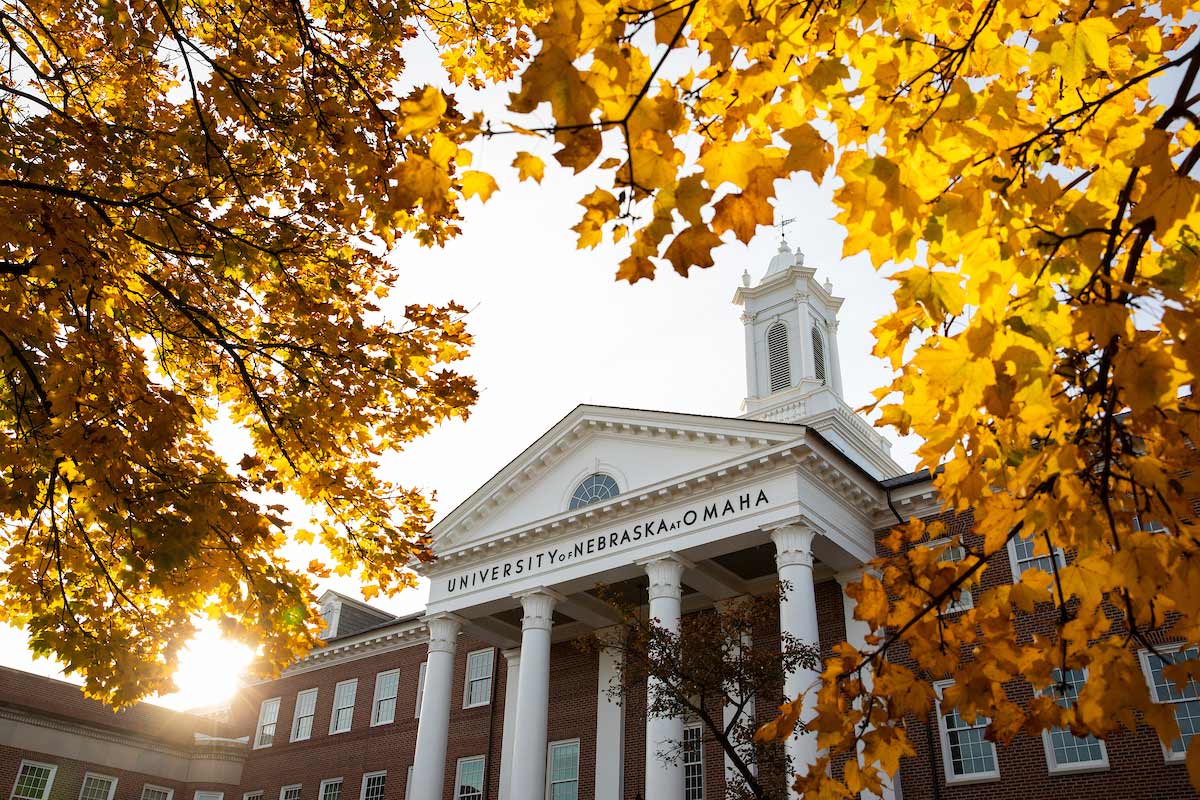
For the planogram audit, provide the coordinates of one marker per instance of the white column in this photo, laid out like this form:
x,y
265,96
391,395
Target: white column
x,y
533,696
798,617
512,680
752,371
730,711
856,635
429,768
664,775
610,724
835,361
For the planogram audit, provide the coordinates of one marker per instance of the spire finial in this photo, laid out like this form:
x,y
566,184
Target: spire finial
x,y
783,223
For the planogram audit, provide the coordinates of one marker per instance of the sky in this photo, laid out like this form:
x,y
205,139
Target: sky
x,y
554,329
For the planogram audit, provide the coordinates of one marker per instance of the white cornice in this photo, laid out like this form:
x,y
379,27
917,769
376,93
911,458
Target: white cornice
x,y
857,491
584,421
372,643
913,501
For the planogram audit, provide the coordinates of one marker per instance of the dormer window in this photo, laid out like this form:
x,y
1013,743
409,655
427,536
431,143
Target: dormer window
x,y
594,488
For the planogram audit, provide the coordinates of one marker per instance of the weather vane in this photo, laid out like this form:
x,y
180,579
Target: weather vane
x,y
783,223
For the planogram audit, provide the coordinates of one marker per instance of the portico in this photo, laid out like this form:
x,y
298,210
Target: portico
x,y
684,510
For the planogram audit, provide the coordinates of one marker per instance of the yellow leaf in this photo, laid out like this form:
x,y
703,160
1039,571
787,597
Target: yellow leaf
x,y
478,183
422,110
529,166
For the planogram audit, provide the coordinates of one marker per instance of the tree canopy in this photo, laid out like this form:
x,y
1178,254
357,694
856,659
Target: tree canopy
x,y
191,187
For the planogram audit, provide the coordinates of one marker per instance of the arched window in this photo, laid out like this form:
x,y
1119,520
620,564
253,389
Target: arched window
x,y
818,354
594,488
777,357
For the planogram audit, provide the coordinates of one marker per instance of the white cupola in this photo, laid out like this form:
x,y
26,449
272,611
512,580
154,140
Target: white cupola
x,y
793,368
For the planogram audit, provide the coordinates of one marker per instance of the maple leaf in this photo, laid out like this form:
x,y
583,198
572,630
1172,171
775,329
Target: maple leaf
x,y
692,247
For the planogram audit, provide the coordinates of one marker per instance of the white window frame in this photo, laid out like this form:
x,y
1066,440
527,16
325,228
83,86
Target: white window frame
x,y
296,715
208,794
1169,755
491,653
550,761
694,726
26,762
966,598
167,789
112,786
1014,564
944,738
260,792
1052,764
362,790
327,782
333,715
420,688
262,713
375,718
458,774
299,787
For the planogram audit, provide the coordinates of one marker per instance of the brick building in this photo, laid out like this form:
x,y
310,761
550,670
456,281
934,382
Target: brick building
x,y
483,695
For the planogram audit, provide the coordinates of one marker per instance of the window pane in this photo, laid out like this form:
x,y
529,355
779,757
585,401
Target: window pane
x,y
374,786
1069,748
96,788
155,793
33,782
693,763
331,790
290,793
970,753
470,779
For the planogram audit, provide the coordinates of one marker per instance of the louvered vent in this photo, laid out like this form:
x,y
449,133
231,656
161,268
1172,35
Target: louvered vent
x,y
818,354
777,354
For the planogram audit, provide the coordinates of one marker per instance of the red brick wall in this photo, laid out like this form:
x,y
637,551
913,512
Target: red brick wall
x,y
68,780
1136,765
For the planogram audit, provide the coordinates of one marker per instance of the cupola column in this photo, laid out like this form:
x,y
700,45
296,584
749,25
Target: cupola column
x,y
664,735
429,765
798,617
533,695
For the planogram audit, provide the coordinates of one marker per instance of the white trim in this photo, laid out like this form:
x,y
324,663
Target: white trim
x,y
408,783
693,726
1052,765
299,787
41,764
262,713
1169,756
208,794
362,789
550,760
491,651
966,599
580,475
328,781
458,774
112,785
420,689
154,786
944,737
296,714
375,719
1014,563
333,714
260,792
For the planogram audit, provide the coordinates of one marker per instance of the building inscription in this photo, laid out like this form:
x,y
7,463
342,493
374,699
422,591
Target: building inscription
x,y
602,542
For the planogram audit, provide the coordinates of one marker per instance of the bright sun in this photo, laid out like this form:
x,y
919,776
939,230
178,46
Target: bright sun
x,y
210,672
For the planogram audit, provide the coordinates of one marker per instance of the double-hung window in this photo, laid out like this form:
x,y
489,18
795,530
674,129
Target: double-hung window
x,y
420,688
1185,699
331,789
1023,555
152,792
1066,752
478,691
268,715
291,792
966,755
257,794
97,787
693,763
562,773
373,786
343,706
468,780
383,707
302,719
953,554
34,781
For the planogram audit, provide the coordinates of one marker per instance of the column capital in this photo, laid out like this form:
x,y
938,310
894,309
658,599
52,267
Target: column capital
x,y
443,631
538,605
666,575
793,544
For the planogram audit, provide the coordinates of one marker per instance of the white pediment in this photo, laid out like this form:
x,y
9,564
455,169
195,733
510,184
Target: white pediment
x,y
637,448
